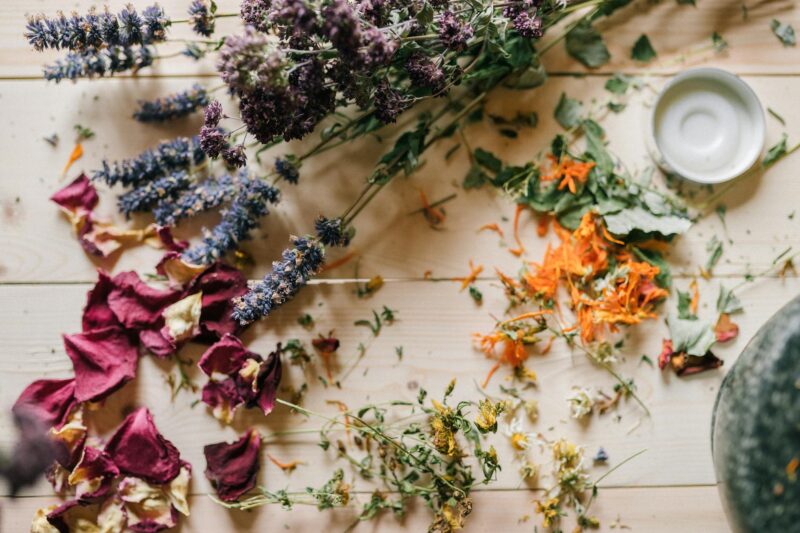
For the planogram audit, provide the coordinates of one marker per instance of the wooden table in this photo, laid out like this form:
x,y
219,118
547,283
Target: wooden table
x,y
44,275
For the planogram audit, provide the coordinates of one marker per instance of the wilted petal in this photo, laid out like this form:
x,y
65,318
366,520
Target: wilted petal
x,y
177,271
70,437
73,517
112,517
136,304
232,467
268,381
50,400
220,283
147,506
223,397
666,353
725,329
40,524
686,365
168,240
138,449
97,313
178,490
80,196
157,343
103,359
182,319
226,356
58,476
93,475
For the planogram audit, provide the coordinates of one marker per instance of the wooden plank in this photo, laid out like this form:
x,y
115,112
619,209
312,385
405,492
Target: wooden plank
x,y
753,48
434,326
38,244
655,510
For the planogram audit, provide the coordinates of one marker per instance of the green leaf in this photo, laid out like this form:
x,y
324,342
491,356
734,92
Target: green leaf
x,y
642,50
784,32
475,178
488,160
615,107
684,305
596,148
585,44
520,52
568,112
727,301
638,219
618,84
664,277
530,78
695,337
714,249
775,153
718,42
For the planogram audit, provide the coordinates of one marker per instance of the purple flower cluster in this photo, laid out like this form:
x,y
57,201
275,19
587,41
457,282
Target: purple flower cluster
x,y
426,74
453,32
286,168
93,62
389,102
296,267
202,17
173,106
79,32
255,13
195,199
148,194
524,18
331,231
241,217
169,156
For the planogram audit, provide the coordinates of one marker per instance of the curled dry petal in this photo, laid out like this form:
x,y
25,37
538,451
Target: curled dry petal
x,y
220,284
138,449
97,313
226,356
70,439
666,353
232,467
93,475
182,319
136,304
168,240
157,343
103,359
223,397
74,517
153,507
178,271
50,400
269,378
79,197
726,329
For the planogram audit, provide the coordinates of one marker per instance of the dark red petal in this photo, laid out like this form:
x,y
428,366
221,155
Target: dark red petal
x,y
49,400
232,467
80,196
269,380
85,238
139,450
221,395
58,516
103,359
226,356
220,283
151,526
94,463
168,239
136,304
157,342
694,364
97,313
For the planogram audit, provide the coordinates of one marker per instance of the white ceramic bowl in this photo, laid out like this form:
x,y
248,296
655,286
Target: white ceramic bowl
x,y
708,126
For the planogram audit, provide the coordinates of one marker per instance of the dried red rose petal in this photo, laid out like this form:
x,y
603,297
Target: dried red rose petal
x,y
269,378
60,518
97,313
157,343
232,467
139,450
223,397
103,359
226,356
78,197
666,353
93,475
169,241
138,305
220,284
686,365
50,400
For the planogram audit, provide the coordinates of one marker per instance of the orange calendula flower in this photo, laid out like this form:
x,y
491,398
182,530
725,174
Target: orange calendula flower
x,y
474,272
568,171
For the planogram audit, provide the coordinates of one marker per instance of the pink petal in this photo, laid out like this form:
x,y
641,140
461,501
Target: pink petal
x,y
139,450
232,467
136,304
103,359
97,313
220,283
269,378
49,400
157,342
223,397
666,353
168,239
94,464
226,356
80,196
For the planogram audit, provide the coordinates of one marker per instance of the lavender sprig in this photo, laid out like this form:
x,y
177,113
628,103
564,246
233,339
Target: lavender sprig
x,y
149,194
198,197
296,267
201,15
79,32
173,106
237,221
94,63
166,158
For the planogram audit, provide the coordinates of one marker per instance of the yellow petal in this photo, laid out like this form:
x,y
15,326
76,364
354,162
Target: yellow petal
x,y
182,319
178,489
180,272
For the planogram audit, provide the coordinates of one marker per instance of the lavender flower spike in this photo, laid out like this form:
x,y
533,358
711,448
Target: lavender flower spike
x,y
202,17
149,194
237,221
198,197
297,265
169,156
92,63
175,105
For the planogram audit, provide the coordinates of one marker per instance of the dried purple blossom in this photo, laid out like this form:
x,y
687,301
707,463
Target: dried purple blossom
x,y
166,158
130,26
287,169
235,156
375,11
331,232
212,114
425,73
342,28
295,20
155,25
378,50
245,62
389,102
296,267
237,221
147,195
193,51
94,63
213,141
453,32
175,105
198,197
523,15
202,17
255,13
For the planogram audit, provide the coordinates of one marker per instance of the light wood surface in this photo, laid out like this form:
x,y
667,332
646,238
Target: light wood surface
x,y
44,275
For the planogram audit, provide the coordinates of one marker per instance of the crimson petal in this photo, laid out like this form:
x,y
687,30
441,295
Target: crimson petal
x,y
97,313
80,196
226,356
232,467
49,400
94,464
139,450
269,379
219,284
157,342
103,359
136,304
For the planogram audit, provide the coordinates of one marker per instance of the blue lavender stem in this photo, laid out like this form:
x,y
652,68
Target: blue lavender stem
x,y
149,194
173,106
297,265
237,221
199,197
166,158
91,63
